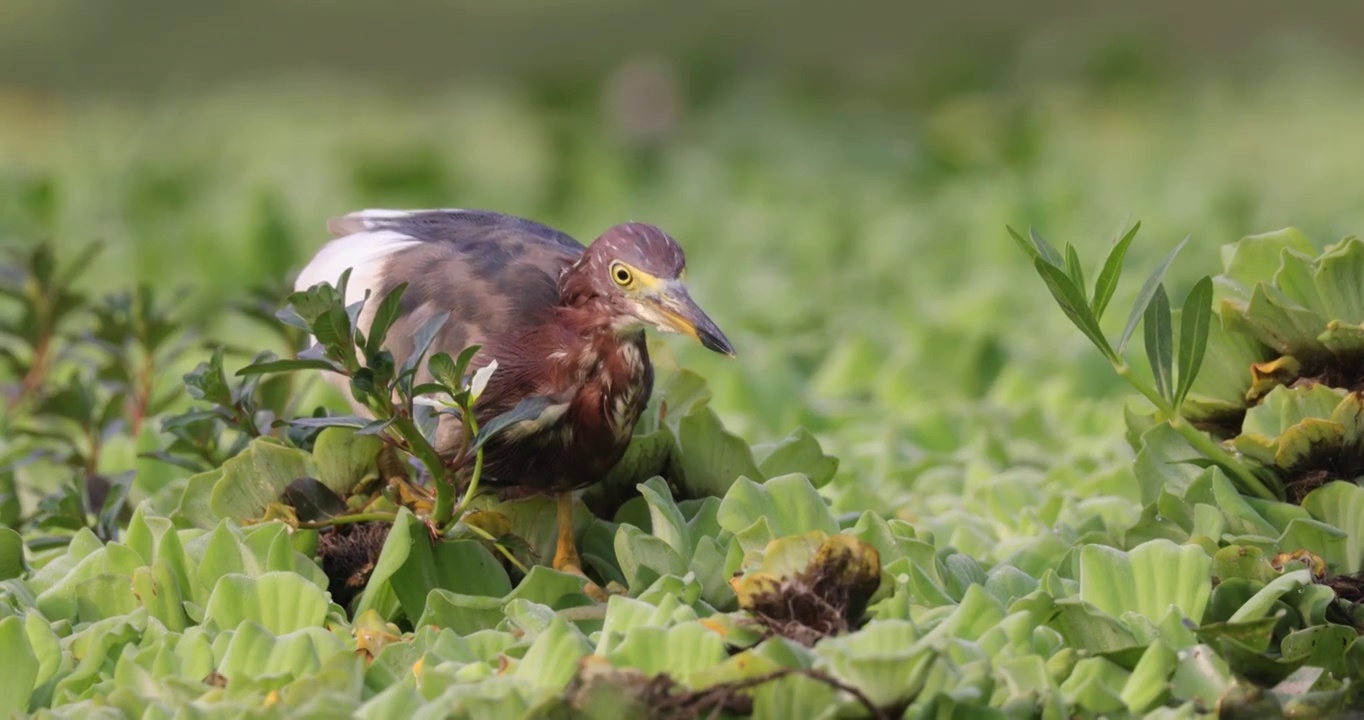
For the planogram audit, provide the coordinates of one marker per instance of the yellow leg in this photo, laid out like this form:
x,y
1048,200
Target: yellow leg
x,y
566,557
566,551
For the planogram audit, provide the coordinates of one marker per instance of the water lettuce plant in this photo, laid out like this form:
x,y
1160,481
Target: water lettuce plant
x,y
917,496
307,565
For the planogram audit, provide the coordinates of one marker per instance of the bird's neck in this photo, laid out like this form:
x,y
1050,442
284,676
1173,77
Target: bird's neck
x,y
575,285
594,322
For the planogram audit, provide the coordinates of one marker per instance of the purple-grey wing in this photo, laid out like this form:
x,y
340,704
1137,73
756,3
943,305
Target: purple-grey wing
x,y
494,274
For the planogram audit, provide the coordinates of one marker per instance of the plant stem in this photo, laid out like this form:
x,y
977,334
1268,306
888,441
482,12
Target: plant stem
x,y
142,397
505,552
445,503
470,431
1195,437
350,520
430,459
246,419
33,379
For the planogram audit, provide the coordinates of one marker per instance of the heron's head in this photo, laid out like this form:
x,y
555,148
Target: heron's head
x,y
636,271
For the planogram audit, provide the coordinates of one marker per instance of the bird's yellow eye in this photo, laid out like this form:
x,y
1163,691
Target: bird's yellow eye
x,y
622,275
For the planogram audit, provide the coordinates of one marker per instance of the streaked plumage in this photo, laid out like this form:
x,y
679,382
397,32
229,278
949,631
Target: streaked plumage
x,y
557,317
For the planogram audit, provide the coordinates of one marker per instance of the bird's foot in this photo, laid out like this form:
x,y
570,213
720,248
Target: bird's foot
x,y
590,589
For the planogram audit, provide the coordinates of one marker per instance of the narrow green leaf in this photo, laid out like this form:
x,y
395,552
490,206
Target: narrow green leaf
x,y
384,316
347,421
1193,335
114,501
1022,243
1073,303
289,316
425,419
1148,290
431,388
529,408
341,284
423,339
1045,249
1073,268
76,267
375,427
283,366
1112,270
353,311
1159,338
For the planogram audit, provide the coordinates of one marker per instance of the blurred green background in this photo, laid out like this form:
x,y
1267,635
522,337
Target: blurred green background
x,y
839,173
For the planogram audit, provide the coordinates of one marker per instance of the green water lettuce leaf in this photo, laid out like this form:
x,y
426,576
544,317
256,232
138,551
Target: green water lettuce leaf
x,y
21,667
345,459
1148,580
680,651
798,452
552,659
257,477
1219,393
281,602
12,563
1284,309
467,614
710,458
254,651
786,505
886,662
1341,506
465,567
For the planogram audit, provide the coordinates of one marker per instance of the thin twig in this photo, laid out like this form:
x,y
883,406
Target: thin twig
x,y
33,379
817,675
505,552
349,520
470,430
142,397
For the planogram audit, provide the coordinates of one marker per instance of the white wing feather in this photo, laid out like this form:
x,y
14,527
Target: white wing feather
x,y
363,253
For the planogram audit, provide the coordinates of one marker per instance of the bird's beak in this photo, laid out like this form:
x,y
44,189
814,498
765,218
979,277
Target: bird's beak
x,y
682,314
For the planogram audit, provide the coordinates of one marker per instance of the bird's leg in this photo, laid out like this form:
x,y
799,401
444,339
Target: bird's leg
x,y
566,551
566,557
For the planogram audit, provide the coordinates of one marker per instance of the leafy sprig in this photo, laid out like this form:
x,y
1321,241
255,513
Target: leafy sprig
x,y
401,411
205,436
1172,376
48,301
86,370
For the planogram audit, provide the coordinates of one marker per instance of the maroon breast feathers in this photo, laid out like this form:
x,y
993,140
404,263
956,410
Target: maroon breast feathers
x,y
613,389
604,380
